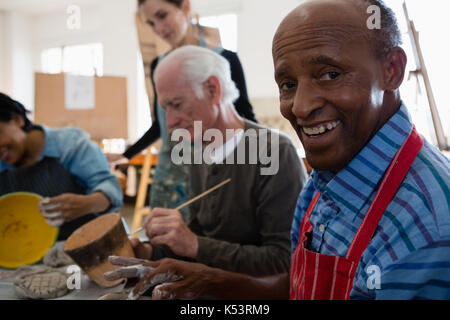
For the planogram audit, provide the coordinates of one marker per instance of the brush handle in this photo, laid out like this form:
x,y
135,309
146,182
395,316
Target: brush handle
x,y
201,195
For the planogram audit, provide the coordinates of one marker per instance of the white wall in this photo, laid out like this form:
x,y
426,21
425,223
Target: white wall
x,y
16,76
112,24
21,62
2,54
257,22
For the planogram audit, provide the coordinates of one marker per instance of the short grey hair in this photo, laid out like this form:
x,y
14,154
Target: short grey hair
x,y
197,65
389,35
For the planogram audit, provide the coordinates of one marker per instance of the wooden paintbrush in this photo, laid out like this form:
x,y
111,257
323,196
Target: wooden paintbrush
x,y
190,201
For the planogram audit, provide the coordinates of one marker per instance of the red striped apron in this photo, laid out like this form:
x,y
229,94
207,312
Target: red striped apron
x,y
317,276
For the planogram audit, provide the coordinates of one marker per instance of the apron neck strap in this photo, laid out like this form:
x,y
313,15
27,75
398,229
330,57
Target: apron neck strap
x,y
392,180
306,225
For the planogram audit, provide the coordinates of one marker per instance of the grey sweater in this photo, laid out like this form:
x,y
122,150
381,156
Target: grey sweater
x,y
245,225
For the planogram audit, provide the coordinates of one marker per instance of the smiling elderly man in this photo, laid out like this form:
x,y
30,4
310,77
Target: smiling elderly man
x,y
373,221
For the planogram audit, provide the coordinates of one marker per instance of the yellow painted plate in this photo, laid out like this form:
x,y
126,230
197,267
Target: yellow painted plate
x,y
25,237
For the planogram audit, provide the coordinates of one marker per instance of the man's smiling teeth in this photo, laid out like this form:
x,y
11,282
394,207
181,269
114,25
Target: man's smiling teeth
x,y
314,131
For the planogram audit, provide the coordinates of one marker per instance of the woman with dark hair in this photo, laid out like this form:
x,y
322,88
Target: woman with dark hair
x,y
171,20
62,165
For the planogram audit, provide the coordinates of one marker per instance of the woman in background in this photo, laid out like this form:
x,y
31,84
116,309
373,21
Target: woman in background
x,y
62,165
171,20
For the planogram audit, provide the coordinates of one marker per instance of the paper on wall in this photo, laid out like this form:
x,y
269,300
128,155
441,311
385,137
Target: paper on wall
x,y
80,92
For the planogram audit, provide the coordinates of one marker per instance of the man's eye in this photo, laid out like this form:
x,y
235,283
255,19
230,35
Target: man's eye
x,y
287,85
333,75
162,16
150,23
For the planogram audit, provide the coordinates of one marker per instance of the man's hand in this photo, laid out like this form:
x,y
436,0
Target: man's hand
x,y
174,279
137,268
141,250
63,208
167,227
69,206
194,280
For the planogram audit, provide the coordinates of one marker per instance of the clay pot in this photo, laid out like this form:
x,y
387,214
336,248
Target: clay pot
x,y
91,245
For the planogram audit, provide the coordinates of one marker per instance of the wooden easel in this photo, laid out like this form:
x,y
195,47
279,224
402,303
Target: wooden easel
x,y
140,210
422,71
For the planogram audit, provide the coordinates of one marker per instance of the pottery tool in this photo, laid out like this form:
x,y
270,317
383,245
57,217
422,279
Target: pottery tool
x,y
201,195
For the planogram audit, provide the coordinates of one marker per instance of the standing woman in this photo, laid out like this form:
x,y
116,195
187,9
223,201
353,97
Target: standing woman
x,y
171,20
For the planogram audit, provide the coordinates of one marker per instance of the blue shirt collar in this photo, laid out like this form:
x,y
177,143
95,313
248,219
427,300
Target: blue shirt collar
x,y
51,147
344,188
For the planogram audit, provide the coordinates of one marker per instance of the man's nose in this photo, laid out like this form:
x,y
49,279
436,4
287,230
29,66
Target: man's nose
x,y
306,101
172,119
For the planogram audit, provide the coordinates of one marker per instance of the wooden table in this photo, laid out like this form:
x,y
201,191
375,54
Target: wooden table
x,y
139,160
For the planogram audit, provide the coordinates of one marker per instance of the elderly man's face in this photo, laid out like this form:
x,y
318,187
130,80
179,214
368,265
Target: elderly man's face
x,y
329,81
178,98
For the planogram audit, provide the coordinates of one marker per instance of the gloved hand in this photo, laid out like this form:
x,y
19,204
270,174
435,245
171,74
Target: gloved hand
x,y
68,206
138,268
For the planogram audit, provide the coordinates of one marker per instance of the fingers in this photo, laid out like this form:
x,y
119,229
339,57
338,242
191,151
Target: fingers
x,y
158,229
157,213
163,224
54,219
52,212
164,239
134,295
125,272
125,261
152,279
57,199
161,212
136,271
131,268
57,214
55,222
47,206
163,291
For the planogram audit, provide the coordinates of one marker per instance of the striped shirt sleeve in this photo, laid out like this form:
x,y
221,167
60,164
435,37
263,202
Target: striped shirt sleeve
x,y
424,274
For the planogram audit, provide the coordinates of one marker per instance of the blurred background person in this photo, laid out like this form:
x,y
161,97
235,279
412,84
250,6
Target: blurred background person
x,y
62,165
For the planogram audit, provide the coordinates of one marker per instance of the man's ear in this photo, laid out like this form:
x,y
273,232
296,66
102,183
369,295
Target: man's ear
x,y
394,69
213,89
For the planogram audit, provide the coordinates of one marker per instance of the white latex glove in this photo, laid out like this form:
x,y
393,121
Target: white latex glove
x,y
54,219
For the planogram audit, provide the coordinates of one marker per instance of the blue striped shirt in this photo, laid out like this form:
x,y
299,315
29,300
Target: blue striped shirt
x,y
409,254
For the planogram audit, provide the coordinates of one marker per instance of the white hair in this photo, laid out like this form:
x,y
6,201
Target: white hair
x,y
197,65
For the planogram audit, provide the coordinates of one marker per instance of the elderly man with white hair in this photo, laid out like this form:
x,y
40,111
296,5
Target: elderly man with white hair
x,y
243,226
